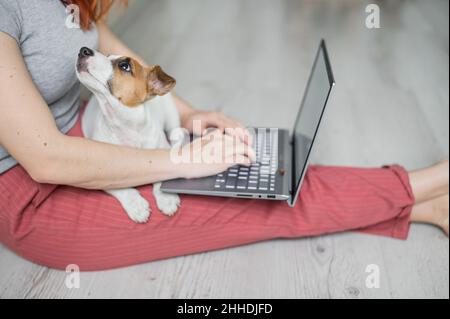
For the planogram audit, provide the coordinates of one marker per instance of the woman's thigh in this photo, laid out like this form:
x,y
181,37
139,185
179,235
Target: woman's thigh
x,y
60,225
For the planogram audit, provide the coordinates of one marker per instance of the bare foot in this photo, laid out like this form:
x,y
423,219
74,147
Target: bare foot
x,y
441,212
430,182
435,212
443,207
444,168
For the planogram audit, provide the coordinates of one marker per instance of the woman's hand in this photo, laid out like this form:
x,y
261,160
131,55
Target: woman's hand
x,y
189,117
212,154
216,120
208,119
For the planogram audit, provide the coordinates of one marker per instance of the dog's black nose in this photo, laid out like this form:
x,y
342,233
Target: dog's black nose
x,y
85,52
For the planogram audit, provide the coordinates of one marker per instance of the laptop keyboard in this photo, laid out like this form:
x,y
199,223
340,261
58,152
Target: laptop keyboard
x,y
261,175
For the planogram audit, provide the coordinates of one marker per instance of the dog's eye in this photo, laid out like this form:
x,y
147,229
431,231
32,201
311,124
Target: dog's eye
x,y
125,66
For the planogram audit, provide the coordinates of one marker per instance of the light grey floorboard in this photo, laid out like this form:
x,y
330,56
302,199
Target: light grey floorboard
x,y
251,59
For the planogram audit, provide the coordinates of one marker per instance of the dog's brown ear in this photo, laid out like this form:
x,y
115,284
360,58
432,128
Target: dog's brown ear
x,y
158,82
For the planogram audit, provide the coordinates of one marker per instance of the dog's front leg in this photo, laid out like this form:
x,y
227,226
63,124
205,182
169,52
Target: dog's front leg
x,y
167,203
134,204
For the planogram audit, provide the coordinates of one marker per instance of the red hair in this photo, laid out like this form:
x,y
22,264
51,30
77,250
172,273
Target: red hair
x,y
92,11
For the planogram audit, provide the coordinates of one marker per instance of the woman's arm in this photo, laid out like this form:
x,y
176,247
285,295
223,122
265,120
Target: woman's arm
x,y
29,133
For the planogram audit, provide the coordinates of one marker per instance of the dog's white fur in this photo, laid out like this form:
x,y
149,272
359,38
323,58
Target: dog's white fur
x,y
106,119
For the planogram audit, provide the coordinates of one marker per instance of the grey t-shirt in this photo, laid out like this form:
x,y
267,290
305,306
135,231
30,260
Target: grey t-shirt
x,y
49,48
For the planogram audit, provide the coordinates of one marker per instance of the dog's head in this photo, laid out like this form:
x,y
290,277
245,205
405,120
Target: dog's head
x,y
121,77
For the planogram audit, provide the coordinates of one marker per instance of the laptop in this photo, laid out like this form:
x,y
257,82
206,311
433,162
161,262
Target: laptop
x,y
282,158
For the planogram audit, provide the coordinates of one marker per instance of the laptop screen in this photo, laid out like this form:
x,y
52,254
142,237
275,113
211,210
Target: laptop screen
x,y
309,117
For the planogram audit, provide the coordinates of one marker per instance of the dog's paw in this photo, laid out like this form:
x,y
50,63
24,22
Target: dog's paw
x,y
167,203
137,209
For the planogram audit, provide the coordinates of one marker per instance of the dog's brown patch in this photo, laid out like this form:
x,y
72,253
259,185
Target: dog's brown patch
x,y
136,84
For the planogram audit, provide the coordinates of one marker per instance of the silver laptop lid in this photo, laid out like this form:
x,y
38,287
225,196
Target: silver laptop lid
x,y
312,108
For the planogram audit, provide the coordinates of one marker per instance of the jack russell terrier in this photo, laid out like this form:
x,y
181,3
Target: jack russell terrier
x,y
132,107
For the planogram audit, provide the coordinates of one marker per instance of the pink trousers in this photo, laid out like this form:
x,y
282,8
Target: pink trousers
x,y
60,225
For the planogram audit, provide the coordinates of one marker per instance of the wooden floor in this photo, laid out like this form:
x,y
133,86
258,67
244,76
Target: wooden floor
x,y
251,58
